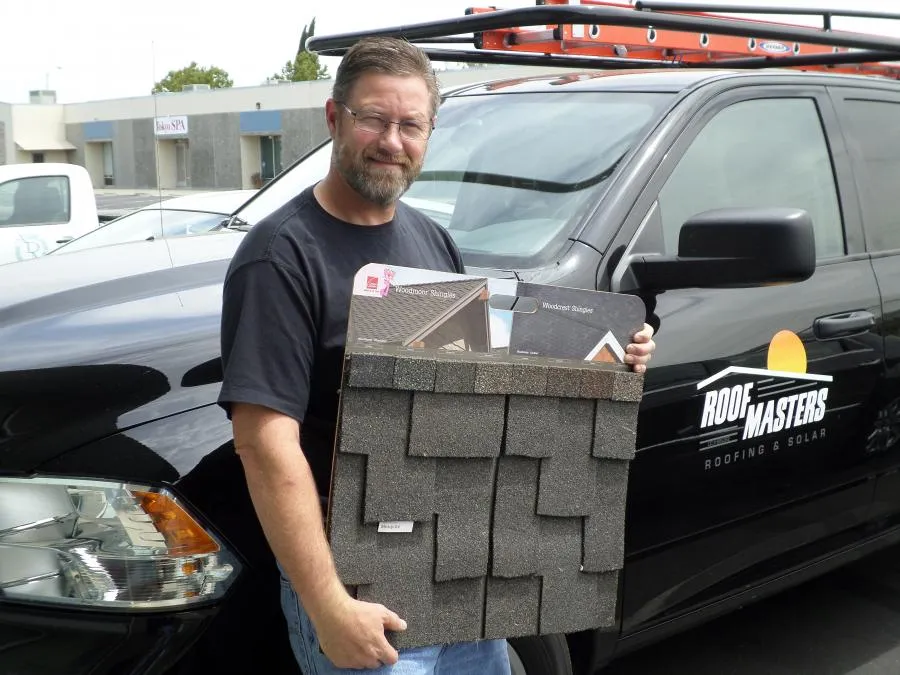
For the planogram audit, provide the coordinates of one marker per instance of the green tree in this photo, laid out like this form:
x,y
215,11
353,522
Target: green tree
x,y
305,65
175,80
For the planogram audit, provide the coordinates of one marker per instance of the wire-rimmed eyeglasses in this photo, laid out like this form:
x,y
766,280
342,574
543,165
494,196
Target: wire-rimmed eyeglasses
x,y
412,130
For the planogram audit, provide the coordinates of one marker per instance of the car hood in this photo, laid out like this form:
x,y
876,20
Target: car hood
x,y
100,340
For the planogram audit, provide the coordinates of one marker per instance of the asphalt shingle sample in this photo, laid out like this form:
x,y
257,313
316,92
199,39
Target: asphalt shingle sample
x,y
629,386
371,368
353,543
604,528
414,373
560,430
517,528
455,375
493,376
571,600
402,566
512,607
463,503
513,472
451,425
615,429
375,422
563,379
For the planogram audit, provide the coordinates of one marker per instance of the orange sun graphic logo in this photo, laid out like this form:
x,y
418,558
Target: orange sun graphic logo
x,y
786,353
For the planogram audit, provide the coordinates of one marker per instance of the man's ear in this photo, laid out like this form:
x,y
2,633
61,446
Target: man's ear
x,y
332,110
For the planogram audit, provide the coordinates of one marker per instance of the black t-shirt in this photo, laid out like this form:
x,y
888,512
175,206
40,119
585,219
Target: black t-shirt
x,y
285,307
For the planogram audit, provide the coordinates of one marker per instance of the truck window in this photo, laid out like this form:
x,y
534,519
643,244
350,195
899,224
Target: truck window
x,y
508,175
874,128
39,200
758,153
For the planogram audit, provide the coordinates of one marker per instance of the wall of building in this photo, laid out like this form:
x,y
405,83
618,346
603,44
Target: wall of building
x,y
303,131
40,128
286,96
223,132
144,153
32,120
124,163
215,150
22,157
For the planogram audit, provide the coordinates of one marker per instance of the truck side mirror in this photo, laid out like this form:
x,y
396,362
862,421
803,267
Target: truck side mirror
x,y
737,247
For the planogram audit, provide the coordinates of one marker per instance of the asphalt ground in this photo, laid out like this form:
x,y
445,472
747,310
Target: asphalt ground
x,y
124,202
847,622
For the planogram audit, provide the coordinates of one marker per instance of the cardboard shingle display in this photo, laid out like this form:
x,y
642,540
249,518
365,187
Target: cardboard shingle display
x,y
481,464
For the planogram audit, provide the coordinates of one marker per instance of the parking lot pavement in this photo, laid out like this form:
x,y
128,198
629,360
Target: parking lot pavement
x,y
127,200
122,200
117,202
845,623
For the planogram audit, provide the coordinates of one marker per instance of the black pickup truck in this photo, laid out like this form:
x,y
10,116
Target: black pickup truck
x,y
754,212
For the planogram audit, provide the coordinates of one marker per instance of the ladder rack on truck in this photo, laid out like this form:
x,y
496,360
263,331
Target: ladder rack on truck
x,y
610,35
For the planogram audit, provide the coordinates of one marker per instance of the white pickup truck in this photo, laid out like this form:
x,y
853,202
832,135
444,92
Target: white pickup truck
x,y
42,206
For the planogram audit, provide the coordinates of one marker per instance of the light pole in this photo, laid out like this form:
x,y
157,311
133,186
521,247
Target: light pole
x,y
47,77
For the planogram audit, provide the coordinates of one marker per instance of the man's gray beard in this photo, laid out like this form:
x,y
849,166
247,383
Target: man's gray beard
x,y
383,190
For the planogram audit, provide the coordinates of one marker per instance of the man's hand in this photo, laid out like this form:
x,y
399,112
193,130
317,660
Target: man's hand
x,y
638,353
351,633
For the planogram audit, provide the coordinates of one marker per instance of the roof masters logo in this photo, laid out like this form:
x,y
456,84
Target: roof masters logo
x,y
742,404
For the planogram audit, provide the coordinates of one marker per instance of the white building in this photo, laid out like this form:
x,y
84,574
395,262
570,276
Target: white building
x,y
207,139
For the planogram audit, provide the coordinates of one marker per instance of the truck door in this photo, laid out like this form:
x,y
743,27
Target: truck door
x,y
749,450
870,120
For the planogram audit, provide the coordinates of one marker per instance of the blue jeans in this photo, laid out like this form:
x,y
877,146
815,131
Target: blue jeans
x,y
486,657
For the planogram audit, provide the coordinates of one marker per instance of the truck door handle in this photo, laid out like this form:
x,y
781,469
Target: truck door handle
x,y
840,325
64,240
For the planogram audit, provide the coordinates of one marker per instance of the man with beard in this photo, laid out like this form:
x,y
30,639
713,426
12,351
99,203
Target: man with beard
x,y
284,322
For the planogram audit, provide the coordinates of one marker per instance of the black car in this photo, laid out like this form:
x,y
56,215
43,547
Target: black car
x,y
754,212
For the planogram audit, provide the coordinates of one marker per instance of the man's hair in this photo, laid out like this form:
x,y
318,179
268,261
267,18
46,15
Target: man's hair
x,y
388,56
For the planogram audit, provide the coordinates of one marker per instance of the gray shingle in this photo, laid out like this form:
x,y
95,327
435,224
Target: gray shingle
x,y
629,386
374,421
458,610
399,487
531,426
454,375
516,526
449,425
563,379
403,566
615,429
571,600
493,376
568,478
528,378
597,381
463,503
512,607
415,373
353,543
370,368
604,529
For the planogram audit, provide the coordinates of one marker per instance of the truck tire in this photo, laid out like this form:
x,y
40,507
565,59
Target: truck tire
x,y
540,655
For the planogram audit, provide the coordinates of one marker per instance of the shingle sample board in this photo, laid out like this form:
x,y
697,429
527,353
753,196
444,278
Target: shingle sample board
x,y
482,455
515,498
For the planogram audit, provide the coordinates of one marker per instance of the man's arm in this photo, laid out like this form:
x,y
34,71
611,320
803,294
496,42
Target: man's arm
x,y
284,495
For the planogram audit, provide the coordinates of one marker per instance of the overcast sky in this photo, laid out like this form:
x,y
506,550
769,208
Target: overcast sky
x,y
99,49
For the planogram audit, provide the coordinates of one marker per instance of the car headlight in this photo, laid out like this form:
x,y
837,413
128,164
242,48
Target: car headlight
x,y
105,544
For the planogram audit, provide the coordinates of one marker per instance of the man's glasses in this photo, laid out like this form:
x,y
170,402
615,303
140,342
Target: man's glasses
x,y
412,130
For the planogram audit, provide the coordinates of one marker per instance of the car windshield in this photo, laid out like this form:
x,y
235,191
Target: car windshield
x,y
508,175
151,223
